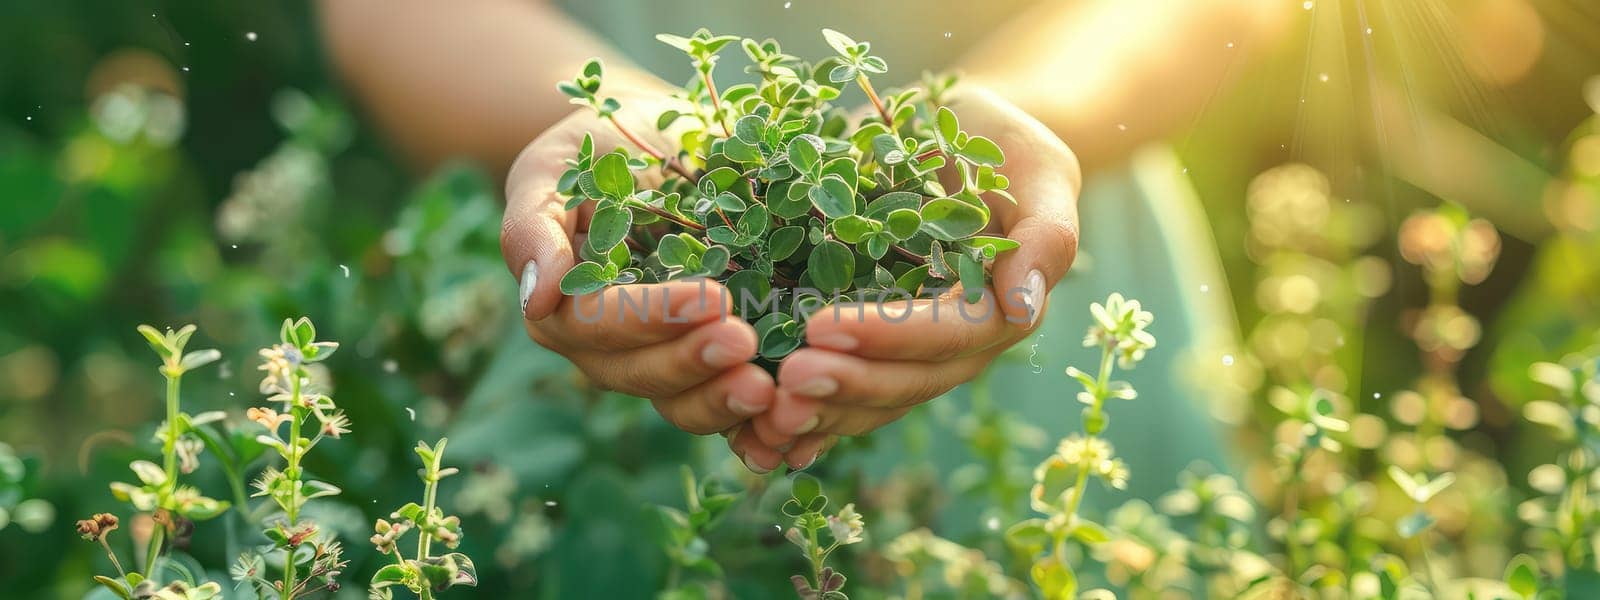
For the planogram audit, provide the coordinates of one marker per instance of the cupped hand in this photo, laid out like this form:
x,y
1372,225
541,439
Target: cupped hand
x,y
675,343
867,365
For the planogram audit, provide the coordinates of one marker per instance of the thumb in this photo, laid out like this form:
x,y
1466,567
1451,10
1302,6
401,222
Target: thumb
x,y
536,241
1046,227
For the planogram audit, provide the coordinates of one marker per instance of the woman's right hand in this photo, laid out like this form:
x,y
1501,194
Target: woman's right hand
x,y
675,343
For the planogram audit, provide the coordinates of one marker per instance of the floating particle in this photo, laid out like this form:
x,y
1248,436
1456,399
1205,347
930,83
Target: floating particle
x,y
1376,395
411,413
1204,288
993,523
1230,44
947,35
786,4
1369,31
1033,356
235,246
186,69
250,35
346,271
1323,77
1122,126
390,366
1308,5
1227,360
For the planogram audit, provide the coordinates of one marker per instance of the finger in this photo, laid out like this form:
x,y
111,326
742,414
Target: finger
x,y
792,417
721,403
666,369
1023,277
631,316
836,378
936,329
535,234
756,456
808,449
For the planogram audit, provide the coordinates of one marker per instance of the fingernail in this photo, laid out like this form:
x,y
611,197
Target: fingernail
x,y
811,461
754,468
742,409
530,280
836,341
809,425
785,448
1034,299
816,387
717,356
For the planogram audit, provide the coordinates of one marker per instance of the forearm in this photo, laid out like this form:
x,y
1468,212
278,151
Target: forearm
x,y
1107,76
471,78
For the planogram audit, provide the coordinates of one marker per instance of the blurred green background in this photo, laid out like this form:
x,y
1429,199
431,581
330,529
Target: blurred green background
x,y
169,163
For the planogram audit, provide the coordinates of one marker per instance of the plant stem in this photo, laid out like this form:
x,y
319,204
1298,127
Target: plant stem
x,y
716,103
671,163
169,454
292,473
1107,364
669,216
872,94
113,557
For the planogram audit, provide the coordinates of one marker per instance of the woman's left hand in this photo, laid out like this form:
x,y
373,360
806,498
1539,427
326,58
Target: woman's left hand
x,y
867,365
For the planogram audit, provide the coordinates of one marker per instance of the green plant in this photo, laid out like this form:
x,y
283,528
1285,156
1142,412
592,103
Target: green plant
x,y
680,536
1061,481
777,188
818,534
171,505
296,542
423,574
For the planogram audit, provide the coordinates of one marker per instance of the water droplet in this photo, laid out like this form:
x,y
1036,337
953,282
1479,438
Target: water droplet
x,y
1308,5
186,69
346,271
550,503
1323,77
1204,288
250,35
235,246
30,117
1376,395
993,523
1227,360
1369,31
1230,44
1122,126
188,44
786,4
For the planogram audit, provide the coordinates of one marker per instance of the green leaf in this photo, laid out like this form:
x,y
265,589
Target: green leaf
x,y
832,266
748,128
115,586
1522,576
1055,578
714,261
609,226
947,126
742,151
983,151
1030,536
949,219
676,41
666,119
611,176
785,241
805,489
392,575
754,222
841,43
805,151
1091,533
584,278
911,281
903,223
972,274
851,228
748,289
1413,524
878,245
991,245
833,197
880,207
841,73
158,342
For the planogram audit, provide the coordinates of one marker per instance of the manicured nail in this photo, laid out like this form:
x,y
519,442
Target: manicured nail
x,y
816,387
802,466
754,468
740,408
836,341
1034,299
809,425
530,280
717,356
